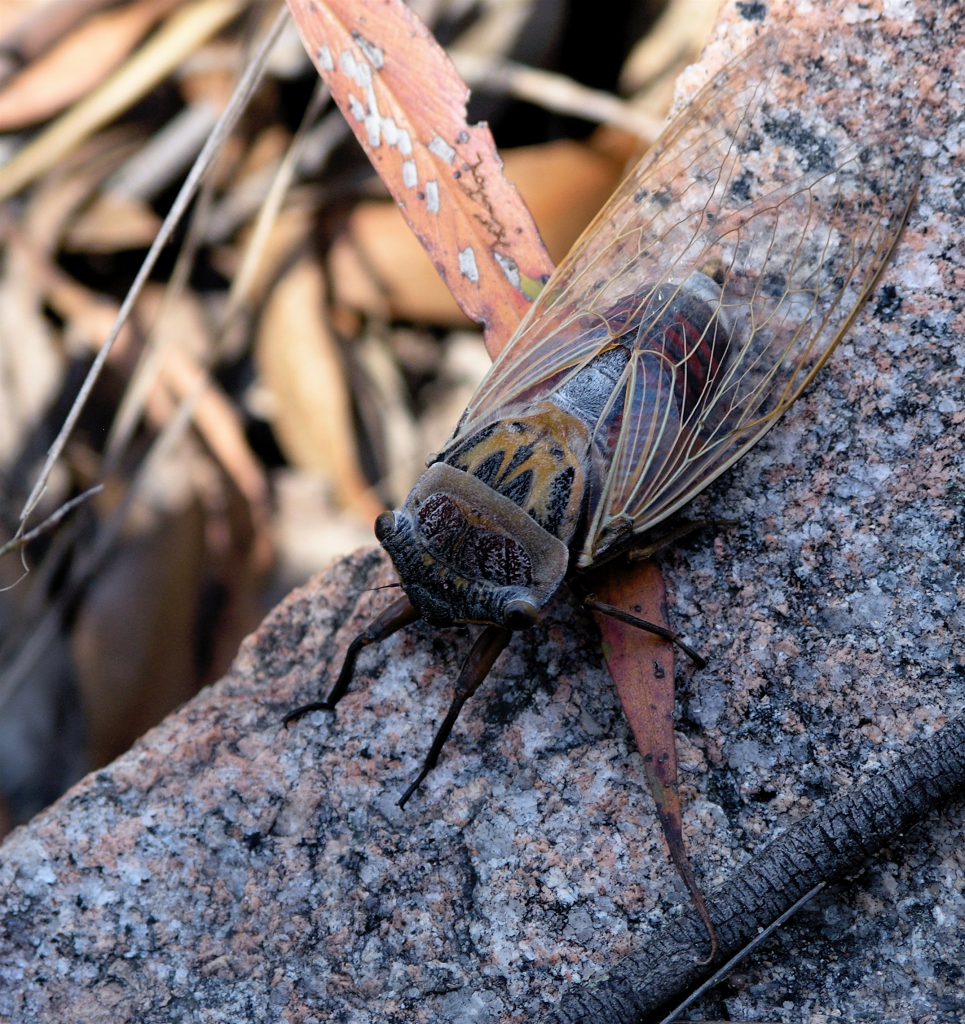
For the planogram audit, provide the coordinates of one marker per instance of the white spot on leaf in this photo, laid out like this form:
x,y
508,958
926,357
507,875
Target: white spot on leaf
x,y
373,54
432,196
467,265
390,131
509,268
442,149
361,74
348,62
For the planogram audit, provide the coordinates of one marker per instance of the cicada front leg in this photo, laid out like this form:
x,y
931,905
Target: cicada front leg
x,y
398,615
487,648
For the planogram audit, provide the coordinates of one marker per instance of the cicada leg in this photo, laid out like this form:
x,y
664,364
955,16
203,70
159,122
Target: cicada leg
x,y
593,602
487,648
398,614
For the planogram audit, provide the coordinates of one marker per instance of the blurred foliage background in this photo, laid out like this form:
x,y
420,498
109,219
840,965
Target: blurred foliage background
x,y
294,356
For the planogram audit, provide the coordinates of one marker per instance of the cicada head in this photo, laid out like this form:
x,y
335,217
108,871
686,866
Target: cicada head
x,y
467,554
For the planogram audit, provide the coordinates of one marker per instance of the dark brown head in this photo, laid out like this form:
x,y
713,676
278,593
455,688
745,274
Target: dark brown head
x,y
467,554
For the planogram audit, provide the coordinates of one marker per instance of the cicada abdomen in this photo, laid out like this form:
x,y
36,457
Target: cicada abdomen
x,y
688,318
664,369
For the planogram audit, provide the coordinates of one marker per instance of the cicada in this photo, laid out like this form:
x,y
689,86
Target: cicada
x,y
686,321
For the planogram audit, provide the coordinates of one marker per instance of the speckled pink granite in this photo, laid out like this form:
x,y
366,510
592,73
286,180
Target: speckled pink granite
x,y
228,870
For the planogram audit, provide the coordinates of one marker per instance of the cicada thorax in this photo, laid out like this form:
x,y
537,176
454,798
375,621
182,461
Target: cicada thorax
x,y
538,461
483,536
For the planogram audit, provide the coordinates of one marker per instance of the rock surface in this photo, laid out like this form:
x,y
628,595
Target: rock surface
x,y
227,869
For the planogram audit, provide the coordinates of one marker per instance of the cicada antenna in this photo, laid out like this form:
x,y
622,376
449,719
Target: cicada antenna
x,y
399,614
487,648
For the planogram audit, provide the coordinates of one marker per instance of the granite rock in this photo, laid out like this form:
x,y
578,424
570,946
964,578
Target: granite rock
x,y
229,869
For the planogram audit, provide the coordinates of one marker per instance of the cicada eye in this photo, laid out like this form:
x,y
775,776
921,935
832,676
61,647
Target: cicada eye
x,y
384,525
520,614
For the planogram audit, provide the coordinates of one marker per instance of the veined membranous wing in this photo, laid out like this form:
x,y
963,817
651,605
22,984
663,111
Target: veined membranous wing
x,y
758,222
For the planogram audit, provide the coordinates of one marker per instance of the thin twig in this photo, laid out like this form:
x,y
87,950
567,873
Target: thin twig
x,y
722,972
553,92
23,539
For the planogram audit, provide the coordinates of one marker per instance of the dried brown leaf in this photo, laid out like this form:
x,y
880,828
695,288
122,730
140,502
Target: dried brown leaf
x,y
112,223
66,72
300,366
289,232
179,36
136,630
217,422
642,666
30,370
61,196
28,29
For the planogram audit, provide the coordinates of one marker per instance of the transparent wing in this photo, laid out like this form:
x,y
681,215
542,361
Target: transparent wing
x,y
784,211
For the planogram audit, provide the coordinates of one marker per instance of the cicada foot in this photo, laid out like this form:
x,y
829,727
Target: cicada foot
x,y
487,648
593,602
398,614
678,533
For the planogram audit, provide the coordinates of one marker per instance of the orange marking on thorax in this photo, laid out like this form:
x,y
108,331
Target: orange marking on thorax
x,y
538,460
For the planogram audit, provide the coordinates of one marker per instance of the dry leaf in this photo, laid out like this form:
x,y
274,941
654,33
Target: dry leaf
x,y
112,223
30,27
378,266
300,366
180,35
443,173
66,72
136,629
31,370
